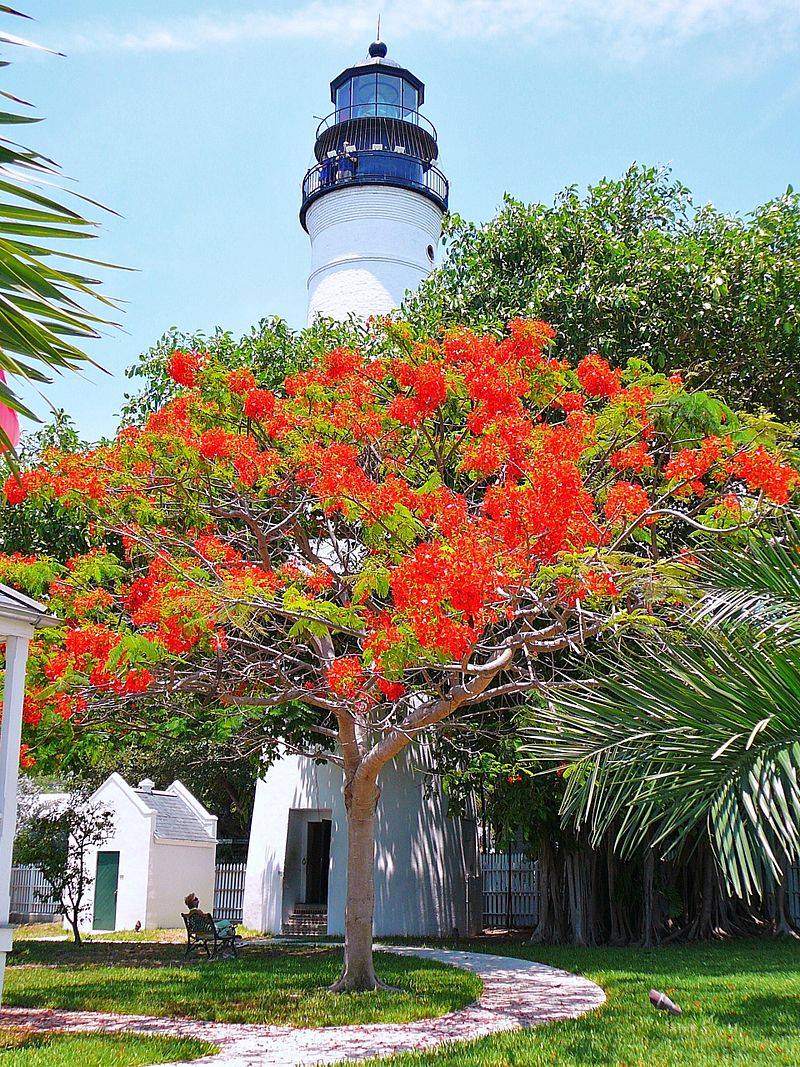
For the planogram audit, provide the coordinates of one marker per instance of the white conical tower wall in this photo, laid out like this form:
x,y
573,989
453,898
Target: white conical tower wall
x,y
370,245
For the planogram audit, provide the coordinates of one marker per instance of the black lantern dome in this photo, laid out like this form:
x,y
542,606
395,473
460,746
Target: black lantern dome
x,y
376,135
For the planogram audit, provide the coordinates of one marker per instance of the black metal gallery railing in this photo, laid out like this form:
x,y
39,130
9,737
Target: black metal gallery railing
x,y
407,132
376,109
375,168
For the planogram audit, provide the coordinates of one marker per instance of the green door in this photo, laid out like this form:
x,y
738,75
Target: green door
x,y
105,891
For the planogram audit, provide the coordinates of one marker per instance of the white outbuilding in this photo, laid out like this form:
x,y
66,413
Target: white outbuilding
x,y
427,871
163,847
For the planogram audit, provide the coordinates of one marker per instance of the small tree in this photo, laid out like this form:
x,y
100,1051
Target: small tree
x,y
57,841
400,535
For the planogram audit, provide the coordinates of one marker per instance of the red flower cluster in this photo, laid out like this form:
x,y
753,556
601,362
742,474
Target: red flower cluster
x,y
346,676
340,363
19,487
691,464
765,474
428,390
241,381
391,690
219,444
625,502
633,458
597,378
184,367
463,576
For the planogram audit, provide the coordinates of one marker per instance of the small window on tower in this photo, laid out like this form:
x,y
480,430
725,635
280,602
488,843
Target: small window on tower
x,y
364,93
431,253
410,101
343,102
389,96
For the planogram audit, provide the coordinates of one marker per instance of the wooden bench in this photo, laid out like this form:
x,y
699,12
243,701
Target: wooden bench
x,y
201,933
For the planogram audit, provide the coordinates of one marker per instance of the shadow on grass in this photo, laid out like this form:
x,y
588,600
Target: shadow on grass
x,y
266,984
769,1017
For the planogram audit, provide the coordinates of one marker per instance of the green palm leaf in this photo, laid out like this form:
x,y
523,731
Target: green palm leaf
x,y
757,586
707,736
45,311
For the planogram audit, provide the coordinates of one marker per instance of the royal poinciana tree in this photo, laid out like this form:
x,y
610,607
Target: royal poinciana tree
x,y
397,536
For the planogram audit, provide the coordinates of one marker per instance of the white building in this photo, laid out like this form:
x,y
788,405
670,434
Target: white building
x,y
373,206
374,200
163,847
426,862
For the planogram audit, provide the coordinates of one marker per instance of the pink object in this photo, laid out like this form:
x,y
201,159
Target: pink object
x,y
9,422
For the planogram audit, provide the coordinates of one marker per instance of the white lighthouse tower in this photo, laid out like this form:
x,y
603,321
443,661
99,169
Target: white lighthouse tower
x,y
374,200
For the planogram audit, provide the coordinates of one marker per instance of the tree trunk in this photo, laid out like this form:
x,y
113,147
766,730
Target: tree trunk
x,y
615,919
648,900
74,921
551,923
360,799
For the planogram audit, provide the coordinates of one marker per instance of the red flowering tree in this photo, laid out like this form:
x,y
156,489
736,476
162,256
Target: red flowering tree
x,y
395,537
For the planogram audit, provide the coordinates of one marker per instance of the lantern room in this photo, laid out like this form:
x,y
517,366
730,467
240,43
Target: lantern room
x,y
376,135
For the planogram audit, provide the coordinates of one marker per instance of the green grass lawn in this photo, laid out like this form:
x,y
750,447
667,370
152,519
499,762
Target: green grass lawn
x,y
20,1048
741,1004
741,1000
265,985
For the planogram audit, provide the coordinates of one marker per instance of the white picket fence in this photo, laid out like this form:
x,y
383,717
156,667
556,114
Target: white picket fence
x,y
229,891
503,872
31,898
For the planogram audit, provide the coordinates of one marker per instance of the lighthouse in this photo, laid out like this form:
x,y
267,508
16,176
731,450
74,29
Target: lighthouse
x,y
373,202
372,206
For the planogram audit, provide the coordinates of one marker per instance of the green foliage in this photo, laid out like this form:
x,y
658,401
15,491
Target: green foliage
x,y
45,527
703,735
634,269
271,350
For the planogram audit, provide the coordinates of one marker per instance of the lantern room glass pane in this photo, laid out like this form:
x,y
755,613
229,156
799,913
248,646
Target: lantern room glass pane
x,y
389,99
343,102
364,94
410,100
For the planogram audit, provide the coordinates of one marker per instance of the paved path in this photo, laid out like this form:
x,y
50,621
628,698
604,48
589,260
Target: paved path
x,y
516,994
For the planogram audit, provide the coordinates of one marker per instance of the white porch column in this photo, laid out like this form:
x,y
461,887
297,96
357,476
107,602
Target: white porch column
x,y
10,736
19,617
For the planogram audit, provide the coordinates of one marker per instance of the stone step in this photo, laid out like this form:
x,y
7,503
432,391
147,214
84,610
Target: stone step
x,y
306,920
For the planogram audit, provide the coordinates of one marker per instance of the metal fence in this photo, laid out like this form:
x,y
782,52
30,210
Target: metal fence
x,y
510,891
31,896
793,895
229,891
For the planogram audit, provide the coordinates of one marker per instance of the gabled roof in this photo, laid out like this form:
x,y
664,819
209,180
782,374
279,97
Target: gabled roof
x,y
16,605
175,819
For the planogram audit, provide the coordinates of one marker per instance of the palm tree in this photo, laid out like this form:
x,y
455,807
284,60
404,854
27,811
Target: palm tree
x,y
701,737
45,295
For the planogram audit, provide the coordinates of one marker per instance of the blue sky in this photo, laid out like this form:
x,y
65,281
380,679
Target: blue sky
x,y
195,121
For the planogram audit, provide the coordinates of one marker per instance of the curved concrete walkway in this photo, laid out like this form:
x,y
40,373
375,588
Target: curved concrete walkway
x,y
516,994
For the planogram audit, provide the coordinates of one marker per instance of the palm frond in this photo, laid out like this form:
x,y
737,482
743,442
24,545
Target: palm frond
x,y
757,584
45,312
705,737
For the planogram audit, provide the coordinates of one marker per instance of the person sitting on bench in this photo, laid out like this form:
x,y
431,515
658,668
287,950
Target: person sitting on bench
x,y
224,927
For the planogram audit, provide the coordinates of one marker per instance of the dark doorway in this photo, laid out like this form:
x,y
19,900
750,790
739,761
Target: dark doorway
x,y
318,858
